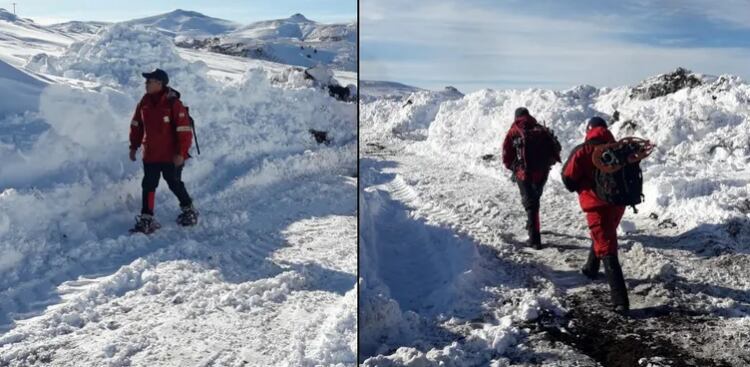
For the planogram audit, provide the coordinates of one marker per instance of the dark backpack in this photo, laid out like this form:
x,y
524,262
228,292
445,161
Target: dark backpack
x,y
172,98
622,187
533,149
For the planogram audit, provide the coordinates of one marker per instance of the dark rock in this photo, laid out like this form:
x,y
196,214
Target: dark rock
x,y
665,84
321,137
667,223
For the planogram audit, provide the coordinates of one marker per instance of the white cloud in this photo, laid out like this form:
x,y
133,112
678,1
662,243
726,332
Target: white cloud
x,y
469,44
730,12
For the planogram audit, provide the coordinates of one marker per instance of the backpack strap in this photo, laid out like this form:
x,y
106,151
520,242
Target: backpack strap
x,y
520,155
594,142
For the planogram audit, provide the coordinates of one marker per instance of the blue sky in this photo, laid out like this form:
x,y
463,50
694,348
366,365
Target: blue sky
x,y
474,44
52,11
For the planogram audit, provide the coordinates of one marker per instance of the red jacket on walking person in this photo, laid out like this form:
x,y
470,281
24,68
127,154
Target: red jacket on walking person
x,y
579,168
529,150
579,175
540,159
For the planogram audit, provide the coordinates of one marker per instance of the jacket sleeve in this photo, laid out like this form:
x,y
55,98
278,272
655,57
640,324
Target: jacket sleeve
x,y
182,128
509,151
572,170
136,128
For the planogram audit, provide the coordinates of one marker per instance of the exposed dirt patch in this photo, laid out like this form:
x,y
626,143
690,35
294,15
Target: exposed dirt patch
x,y
643,339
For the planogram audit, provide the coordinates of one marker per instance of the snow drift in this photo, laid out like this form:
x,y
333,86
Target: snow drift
x,y
235,122
24,88
68,193
700,129
406,116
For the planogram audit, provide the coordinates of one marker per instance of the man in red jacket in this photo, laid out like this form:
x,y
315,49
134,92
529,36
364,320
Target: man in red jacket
x,y
603,217
529,150
161,124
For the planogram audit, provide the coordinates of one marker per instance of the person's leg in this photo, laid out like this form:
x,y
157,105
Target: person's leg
x,y
531,206
173,176
591,268
599,225
149,184
535,207
612,268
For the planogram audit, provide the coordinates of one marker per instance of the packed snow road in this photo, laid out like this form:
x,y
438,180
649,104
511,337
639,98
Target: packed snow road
x,y
467,291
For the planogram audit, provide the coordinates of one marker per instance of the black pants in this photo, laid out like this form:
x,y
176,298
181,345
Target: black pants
x,y
171,174
531,194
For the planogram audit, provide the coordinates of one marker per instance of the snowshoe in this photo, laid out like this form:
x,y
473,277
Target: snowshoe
x,y
612,157
188,217
146,224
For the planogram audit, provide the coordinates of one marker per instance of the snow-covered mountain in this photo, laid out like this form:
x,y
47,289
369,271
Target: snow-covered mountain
x,y
268,276
382,89
21,38
431,174
186,23
296,27
78,29
295,40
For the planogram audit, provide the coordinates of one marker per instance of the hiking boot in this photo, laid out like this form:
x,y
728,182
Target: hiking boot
x,y
188,217
622,310
591,268
535,238
617,287
534,241
145,223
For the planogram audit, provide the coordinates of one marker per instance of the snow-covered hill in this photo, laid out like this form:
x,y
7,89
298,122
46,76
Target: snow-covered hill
x,y
295,40
78,29
380,89
266,278
432,169
186,23
292,41
21,38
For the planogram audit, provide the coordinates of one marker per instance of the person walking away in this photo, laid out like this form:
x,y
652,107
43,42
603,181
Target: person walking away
x,y
529,151
603,218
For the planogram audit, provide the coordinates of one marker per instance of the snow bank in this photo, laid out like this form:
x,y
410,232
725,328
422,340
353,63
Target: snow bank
x,y
79,159
415,275
697,173
407,116
24,89
118,56
238,121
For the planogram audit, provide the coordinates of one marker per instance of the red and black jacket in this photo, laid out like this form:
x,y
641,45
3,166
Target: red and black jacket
x,y
578,171
161,124
542,157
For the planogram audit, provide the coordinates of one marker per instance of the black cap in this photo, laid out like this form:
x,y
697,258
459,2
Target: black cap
x,y
595,121
521,111
157,74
